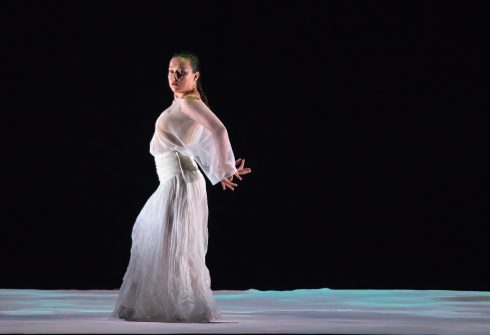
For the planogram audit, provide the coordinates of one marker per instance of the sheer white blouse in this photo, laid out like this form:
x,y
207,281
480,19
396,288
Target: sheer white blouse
x,y
191,128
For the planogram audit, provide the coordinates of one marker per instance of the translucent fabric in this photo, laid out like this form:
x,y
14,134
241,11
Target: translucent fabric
x,y
190,127
167,279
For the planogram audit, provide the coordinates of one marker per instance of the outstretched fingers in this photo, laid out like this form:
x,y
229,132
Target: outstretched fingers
x,y
226,183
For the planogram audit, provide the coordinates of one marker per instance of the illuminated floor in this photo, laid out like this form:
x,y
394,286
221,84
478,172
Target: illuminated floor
x,y
252,311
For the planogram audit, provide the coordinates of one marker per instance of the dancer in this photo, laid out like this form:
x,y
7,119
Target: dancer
x,y
167,279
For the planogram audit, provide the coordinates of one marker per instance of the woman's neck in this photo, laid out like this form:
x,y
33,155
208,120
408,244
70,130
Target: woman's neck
x,y
191,92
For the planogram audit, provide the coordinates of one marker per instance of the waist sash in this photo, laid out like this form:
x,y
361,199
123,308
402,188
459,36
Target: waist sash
x,y
172,163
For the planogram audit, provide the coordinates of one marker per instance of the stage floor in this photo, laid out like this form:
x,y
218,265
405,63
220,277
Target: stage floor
x,y
253,311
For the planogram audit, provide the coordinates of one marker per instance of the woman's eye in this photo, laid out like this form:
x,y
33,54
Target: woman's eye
x,y
179,72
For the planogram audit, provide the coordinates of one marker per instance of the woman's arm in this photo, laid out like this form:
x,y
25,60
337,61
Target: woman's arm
x,y
217,157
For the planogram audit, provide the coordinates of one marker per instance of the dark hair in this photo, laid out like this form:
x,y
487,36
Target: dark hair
x,y
195,67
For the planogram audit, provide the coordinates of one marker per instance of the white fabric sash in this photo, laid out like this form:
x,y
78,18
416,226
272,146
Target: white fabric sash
x,y
172,163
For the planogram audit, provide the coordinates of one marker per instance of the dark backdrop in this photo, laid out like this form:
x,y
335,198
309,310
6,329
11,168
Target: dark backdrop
x,y
363,124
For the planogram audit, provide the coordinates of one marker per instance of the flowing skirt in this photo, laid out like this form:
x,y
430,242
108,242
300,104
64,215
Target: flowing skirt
x,y
167,279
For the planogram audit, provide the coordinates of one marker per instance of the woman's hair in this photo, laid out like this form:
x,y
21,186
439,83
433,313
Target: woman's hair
x,y
195,67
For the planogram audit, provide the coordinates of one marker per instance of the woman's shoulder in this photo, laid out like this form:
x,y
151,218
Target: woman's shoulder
x,y
193,101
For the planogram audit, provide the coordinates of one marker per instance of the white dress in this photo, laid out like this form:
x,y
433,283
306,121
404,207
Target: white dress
x,y
167,279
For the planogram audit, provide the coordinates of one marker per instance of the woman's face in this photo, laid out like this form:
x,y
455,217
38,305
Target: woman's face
x,y
180,76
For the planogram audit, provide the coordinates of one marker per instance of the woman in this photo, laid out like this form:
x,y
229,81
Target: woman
x,y
167,279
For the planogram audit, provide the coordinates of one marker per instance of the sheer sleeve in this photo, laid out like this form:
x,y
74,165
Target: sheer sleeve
x,y
210,144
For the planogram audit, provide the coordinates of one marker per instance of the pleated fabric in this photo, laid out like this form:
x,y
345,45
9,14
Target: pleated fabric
x,y
167,279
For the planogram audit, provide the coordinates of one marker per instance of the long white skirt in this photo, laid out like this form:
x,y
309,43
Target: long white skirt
x,y
167,279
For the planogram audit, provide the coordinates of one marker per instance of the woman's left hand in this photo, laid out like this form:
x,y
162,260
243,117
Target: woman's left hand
x,y
225,182
228,182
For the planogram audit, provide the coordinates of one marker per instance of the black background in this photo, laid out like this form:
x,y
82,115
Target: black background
x,y
363,124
